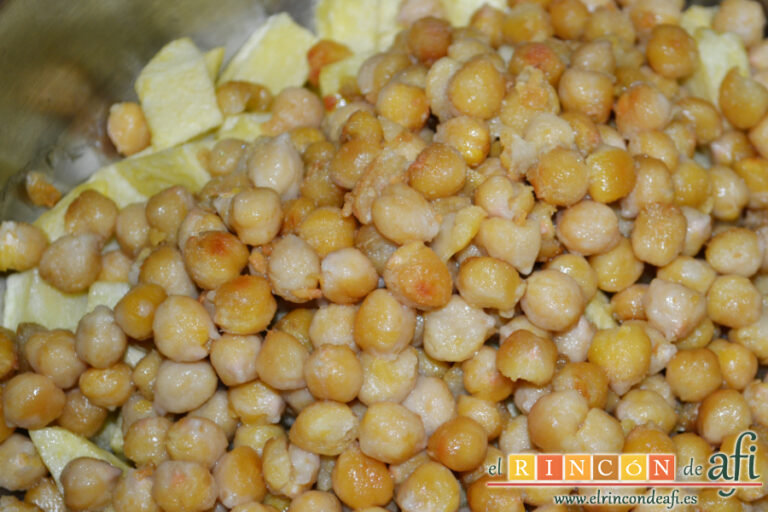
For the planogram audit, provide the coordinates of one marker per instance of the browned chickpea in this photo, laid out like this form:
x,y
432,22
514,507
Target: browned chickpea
x,y
362,125
470,136
553,300
80,415
658,236
244,305
234,358
417,277
182,387
429,38
132,229
135,312
738,364
561,177
326,229
588,228
52,353
133,492
32,401
361,481
671,52
523,355
182,486
381,422
569,17
481,497
22,245
214,257
438,171
88,483
694,374
325,428
489,283
539,55
459,444
617,268
127,128
527,22
256,215
226,155
234,97
743,100
165,267
72,263
404,104
429,485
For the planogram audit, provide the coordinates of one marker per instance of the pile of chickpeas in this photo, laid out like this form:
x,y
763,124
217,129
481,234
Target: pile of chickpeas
x,y
521,235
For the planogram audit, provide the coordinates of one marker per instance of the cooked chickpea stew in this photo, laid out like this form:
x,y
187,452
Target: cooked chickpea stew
x,y
546,230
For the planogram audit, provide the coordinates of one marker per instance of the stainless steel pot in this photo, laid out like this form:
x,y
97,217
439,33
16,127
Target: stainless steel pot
x,y
63,63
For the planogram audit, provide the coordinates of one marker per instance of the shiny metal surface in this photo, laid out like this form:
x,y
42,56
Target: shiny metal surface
x,y
62,63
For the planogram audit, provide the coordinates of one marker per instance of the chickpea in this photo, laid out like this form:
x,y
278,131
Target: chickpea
x,y
238,477
244,305
184,486
518,244
523,355
477,88
280,362
388,377
671,52
165,267
133,492
132,229
730,193
469,136
256,402
88,483
72,263
737,363
658,236
586,92
45,495
552,300
605,21
735,251
234,97
587,378
31,400
319,501
432,401
333,372
182,387
226,156
214,257
382,324
403,104
135,312
618,268
52,353
438,171
624,354
417,277
145,373
23,245
294,107
642,107
91,212
294,269
108,387
127,128
704,118
459,444
490,415
588,228
431,486
325,428
555,418
526,22
386,420
81,416
733,301
429,39
256,215
332,324
722,413
611,174
166,210
561,177
456,331
196,439
741,17
743,100
23,466
490,283
234,358
302,468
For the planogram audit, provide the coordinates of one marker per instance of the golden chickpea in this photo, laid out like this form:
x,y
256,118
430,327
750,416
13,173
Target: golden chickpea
x,y
404,104
145,373
256,215
704,118
234,97
489,283
362,125
456,331
23,466
23,245
671,52
109,387
561,177
538,55
132,228
743,100
244,305
32,401
88,483
628,304
325,428
523,355
429,38
144,441
388,377
214,257
127,128
733,301
737,363
477,88
438,171
166,209
45,494
611,174
383,421
280,361
184,486
417,277
624,353
52,353
165,267
382,324
133,492
333,372
647,439
430,486
226,156
72,263
318,501
256,402
587,378
606,21
432,401
642,107
743,18
360,481
722,413
294,269
238,477
618,268
555,418
646,407
135,312
526,22
182,329
658,236
586,92
234,358
552,300
480,497
196,439
459,444
80,415
469,136
351,160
